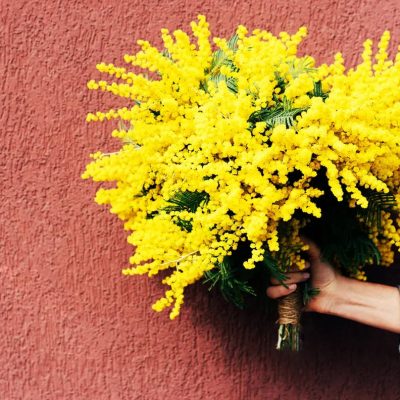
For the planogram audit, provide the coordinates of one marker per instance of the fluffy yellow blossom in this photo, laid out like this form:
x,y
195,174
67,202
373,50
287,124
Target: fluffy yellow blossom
x,y
246,133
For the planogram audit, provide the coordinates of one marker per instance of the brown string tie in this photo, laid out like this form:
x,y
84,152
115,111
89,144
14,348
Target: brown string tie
x,y
289,308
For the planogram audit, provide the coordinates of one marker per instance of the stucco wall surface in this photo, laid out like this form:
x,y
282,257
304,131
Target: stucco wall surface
x,y
72,327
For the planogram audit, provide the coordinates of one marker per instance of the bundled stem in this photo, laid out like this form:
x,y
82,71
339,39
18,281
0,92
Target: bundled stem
x,y
289,308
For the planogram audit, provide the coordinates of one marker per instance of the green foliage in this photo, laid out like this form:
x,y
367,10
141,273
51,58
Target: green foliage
x,y
301,66
220,58
274,268
350,254
317,92
283,113
184,224
342,238
347,243
230,82
239,285
146,190
232,288
280,83
309,292
187,201
165,53
377,203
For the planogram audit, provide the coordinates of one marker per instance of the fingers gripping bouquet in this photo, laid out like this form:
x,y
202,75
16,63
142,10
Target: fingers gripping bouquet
x,y
233,150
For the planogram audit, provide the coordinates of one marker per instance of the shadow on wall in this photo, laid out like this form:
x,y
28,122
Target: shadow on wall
x,y
340,359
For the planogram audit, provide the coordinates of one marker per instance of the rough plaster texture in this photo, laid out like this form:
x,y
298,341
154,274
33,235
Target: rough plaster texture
x,y
72,327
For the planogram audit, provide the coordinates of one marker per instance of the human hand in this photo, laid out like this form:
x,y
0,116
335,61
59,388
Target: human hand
x,y
323,277
365,302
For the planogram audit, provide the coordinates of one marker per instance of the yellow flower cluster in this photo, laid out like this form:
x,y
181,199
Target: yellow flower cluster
x,y
188,131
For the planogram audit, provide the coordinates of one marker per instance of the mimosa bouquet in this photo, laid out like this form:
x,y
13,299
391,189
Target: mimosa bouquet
x,y
233,149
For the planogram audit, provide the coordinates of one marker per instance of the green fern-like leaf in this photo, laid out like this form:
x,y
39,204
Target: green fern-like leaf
x,y
232,289
274,268
301,66
220,58
350,254
184,224
231,83
165,53
283,114
343,240
377,203
317,92
187,201
309,292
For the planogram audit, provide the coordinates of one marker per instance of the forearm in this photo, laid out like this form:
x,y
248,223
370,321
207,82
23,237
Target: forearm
x,y
369,303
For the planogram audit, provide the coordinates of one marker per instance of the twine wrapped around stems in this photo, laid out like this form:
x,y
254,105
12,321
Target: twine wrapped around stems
x,y
289,308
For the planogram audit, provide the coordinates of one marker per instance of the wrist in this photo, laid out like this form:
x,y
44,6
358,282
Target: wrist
x,y
331,297
337,295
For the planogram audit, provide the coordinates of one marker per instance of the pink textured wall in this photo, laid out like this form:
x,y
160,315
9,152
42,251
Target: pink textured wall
x,y
74,328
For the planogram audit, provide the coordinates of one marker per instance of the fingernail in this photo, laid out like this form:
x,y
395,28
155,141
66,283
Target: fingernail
x,y
292,286
306,275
